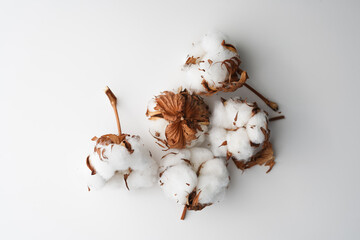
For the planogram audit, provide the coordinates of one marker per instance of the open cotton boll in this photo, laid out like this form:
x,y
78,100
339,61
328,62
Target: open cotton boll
x,y
240,131
212,65
178,120
120,155
193,177
124,155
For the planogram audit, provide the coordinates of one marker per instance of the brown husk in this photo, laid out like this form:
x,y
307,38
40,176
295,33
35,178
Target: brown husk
x,y
185,113
264,157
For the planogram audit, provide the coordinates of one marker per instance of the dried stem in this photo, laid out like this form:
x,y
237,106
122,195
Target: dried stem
x,y
183,213
113,101
271,104
276,118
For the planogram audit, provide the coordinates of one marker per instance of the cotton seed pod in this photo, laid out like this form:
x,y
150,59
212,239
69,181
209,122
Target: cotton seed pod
x,y
120,154
240,132
193,177
178,120
213,65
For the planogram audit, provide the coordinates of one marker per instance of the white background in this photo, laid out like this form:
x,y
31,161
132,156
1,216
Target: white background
x,y
56,57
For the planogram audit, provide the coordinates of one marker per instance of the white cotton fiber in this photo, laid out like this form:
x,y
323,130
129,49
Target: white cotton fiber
x,y
217,136
178,181
134,164
183,172
208,54
213,180
238,129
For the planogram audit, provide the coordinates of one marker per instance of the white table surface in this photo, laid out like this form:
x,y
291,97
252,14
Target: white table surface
x,y
57,56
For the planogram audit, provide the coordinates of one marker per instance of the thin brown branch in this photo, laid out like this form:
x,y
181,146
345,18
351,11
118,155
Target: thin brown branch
x,y
271,104
183,213
276,118
113,101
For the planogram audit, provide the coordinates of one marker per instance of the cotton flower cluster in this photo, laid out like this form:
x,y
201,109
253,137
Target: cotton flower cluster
x,y
181,123
213,65
239,130
198,143
120,154
193,177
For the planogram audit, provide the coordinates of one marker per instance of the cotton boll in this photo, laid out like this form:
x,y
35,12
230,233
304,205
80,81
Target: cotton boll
x,y
127,157
193,177
246,140
212,65
121,155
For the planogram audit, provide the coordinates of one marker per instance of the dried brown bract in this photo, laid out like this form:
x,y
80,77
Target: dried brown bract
x,y
182,119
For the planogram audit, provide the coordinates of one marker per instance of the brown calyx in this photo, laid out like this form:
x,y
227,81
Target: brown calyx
x,y
193,203
264,157
108,139
185,113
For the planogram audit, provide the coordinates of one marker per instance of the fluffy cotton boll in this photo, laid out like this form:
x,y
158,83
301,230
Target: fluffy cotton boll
x,y
193,177
212,65
122,155
247,136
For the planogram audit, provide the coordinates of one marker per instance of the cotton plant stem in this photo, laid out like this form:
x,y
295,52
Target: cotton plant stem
x,y
271,104
183,213
276,118
113,101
